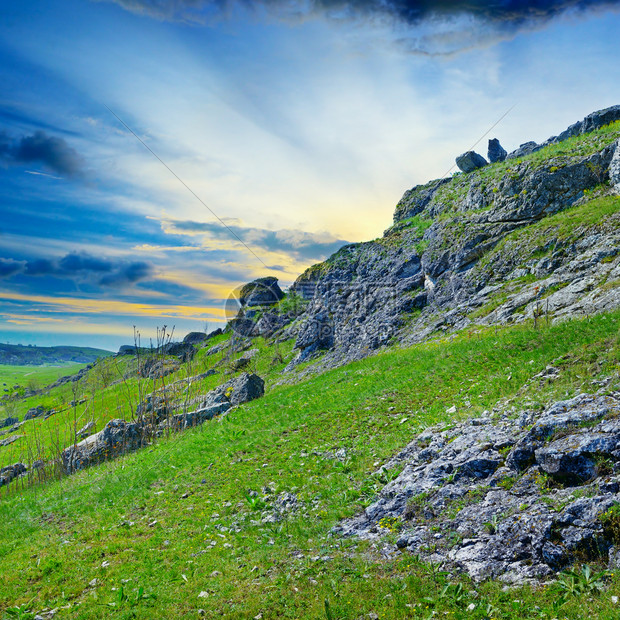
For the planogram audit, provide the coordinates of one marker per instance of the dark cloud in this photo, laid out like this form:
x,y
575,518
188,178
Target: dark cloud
x,y
302,246
505,17
52,153
72,263
128,274
81,267
40,267
9,266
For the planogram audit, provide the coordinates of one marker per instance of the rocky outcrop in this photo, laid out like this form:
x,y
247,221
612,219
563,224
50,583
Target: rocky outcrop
x,y
8,422
527,148
242,389
593,121
413,202
185,351
260,292
36,412
496,152
7,474
198,337
614,167
590,123
119,436
245,360
71,378
498,497
470,161
439,265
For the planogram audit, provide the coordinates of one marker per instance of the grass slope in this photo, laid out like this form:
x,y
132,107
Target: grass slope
x,y
34,376
17,354
171,530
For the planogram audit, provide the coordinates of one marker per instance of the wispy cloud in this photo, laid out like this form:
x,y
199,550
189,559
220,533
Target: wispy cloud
x,y
299,245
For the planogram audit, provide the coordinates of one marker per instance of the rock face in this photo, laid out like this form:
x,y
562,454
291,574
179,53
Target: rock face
x,y
495,499
260,292
496,152
614,167
455,248
470,161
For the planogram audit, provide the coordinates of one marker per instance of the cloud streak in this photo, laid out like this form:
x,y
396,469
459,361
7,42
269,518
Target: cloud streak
x,y
297,244
40,148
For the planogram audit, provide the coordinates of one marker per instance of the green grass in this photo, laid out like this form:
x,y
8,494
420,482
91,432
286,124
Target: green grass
x,y
132,513
34,376
113,389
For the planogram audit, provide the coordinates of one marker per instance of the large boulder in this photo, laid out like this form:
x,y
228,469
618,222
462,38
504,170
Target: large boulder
x,y
198,337
117,437
241,389
470,161
8,422
127,349
496,152
261,292
35,412
9,473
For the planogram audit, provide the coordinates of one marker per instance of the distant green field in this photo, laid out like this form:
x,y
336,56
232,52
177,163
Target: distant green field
x,y
34,376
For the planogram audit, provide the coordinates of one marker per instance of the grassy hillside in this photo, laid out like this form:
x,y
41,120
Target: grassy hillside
x,y
17,354
173,529
34,376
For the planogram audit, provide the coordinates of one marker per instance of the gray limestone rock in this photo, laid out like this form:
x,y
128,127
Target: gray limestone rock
x,y
496,152
494,521
470,161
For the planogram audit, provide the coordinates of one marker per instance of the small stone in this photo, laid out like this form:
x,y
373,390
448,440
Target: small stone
x,y
93,583
471,607
215,573
614,600
203,594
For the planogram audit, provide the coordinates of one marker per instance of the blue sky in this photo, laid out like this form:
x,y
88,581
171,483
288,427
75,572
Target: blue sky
x,y
299,127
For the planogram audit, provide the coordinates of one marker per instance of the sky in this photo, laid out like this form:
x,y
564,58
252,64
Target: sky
x,y
157,154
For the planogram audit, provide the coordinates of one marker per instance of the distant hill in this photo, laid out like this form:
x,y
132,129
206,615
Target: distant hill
x,y
21,355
